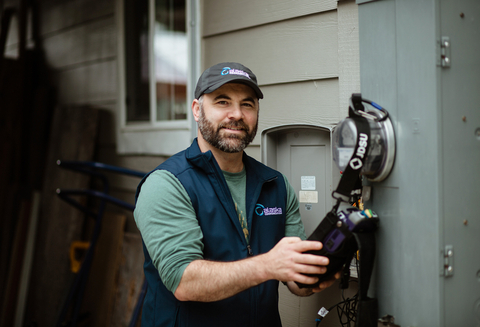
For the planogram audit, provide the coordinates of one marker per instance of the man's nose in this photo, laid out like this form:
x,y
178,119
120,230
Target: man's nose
x,y
235,112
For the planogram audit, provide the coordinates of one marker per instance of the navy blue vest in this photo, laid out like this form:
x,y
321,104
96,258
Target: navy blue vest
x,y
223,240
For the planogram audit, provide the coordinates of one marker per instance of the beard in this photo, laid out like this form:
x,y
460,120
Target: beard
x,y
232,143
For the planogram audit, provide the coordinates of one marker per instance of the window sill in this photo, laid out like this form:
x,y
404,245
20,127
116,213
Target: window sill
x,y
153,141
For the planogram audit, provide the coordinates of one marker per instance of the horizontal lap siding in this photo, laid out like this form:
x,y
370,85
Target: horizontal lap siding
x,y
63,15
83,45
82,54
312,102
229,15
293,50
95,83
295,60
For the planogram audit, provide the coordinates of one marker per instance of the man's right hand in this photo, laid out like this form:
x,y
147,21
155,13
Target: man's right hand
x,y
288,262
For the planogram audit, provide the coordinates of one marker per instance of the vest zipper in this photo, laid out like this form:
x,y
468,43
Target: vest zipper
x,y
249,249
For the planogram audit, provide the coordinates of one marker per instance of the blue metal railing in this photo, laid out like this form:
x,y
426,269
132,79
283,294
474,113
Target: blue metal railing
x,y
76,293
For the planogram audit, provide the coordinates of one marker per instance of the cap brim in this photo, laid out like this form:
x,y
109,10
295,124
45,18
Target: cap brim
x,y
247,82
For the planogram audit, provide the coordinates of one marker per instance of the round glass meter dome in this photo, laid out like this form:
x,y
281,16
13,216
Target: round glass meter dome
x,y
381,153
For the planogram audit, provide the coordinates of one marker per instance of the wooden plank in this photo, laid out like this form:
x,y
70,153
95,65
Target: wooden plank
x,y
107,134
92,41
99,296
7,316
229,15
314,102
73,137
294,50
27,260
129,280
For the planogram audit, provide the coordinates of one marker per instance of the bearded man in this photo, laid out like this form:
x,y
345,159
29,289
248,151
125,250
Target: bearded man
x,y
220,229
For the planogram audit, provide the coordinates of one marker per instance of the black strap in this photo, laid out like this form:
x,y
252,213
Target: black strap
x,y
367,314
367,248
350,185
357,104
350,180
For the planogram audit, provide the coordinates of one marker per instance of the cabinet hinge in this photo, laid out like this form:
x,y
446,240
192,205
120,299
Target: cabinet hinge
x,y
443,50
447,259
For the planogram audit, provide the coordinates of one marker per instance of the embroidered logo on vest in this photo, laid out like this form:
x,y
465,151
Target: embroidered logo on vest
x,y
261,210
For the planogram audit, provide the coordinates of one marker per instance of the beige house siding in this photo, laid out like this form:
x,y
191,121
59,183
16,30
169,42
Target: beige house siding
x,y
305,55
231,15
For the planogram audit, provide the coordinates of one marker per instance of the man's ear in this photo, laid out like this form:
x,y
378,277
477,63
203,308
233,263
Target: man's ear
x,y
196,110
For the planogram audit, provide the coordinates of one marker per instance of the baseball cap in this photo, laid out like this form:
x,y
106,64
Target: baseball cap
x,y
226,72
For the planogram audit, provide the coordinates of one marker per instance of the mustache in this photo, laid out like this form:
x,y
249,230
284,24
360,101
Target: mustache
x,y
234,124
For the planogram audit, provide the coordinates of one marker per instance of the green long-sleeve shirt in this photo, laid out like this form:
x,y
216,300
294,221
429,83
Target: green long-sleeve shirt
x,y
167,221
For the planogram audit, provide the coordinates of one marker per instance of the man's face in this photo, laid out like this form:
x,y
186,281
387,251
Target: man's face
x,y
228,117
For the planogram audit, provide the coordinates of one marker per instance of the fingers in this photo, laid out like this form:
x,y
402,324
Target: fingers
x,y
297,245
304,246
326,284
304,279
311,269
312,259
287,261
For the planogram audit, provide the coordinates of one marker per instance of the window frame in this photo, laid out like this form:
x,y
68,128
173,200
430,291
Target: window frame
x,y
156,137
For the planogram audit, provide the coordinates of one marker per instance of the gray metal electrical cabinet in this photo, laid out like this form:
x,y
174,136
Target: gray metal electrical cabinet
x,y
303,154
420,60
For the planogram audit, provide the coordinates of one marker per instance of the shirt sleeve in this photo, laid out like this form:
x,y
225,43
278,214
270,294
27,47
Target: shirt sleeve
x,y
293,221
167,222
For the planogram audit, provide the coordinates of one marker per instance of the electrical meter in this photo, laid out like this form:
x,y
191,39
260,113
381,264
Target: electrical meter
x,y
381,151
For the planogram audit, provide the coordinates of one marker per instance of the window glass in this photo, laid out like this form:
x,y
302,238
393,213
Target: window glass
x,y
171,62
168,68
137,61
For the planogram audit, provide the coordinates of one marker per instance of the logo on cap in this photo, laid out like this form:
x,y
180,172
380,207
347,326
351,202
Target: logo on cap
x,y
228,70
